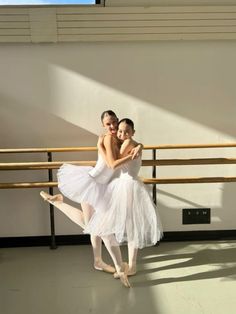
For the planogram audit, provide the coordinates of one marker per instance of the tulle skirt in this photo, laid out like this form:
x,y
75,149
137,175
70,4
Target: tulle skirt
x,y
127,211
76,183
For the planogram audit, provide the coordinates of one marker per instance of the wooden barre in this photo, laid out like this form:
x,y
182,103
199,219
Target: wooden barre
x,y
27,185
18,185
192,161
159,162
190,146
93,148
188,180
42,165
48,150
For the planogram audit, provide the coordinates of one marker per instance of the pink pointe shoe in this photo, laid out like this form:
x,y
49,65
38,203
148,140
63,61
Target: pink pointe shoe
x,y
129,274
123,275
51,198
105,267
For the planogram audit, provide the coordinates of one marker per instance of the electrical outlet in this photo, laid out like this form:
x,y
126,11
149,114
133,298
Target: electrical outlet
x,y
196,216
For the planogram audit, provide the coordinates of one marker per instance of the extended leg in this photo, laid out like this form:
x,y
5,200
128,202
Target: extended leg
x,y
75,214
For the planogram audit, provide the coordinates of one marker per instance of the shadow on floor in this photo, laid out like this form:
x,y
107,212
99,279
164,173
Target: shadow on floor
x,y
224,259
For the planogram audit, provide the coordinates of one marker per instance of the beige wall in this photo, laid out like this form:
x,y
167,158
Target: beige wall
x,y
176,92
129,3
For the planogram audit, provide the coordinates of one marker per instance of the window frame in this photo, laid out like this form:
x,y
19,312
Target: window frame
x,y
97,2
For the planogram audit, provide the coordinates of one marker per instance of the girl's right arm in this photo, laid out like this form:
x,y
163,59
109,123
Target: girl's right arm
x,y
126,148
110,155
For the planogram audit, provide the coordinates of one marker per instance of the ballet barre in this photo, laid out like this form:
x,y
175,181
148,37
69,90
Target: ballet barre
x,y
50,164
145,162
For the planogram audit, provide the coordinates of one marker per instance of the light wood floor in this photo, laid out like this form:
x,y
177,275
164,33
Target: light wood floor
x,y
173,278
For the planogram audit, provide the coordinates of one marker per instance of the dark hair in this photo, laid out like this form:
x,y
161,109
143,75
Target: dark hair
x,y
108,113
127,121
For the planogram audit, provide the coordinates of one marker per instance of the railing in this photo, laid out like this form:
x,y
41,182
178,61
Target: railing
x,y
154,162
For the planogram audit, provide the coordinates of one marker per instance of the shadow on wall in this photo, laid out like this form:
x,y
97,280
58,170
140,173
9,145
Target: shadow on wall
x,y
190,79
228,205
222,207
25,126
193,80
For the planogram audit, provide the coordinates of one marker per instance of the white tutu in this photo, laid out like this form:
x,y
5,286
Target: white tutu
x,y
84,184
127,210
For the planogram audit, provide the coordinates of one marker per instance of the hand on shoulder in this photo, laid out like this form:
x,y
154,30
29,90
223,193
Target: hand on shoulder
x,y
136,151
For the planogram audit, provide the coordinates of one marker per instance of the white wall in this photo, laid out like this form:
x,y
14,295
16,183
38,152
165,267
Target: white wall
x,y
176,92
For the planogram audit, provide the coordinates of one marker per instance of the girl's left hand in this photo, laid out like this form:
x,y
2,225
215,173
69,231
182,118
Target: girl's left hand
x,y
136,151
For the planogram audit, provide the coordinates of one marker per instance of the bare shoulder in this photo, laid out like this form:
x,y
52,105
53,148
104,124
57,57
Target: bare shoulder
x,y
129,143
109,140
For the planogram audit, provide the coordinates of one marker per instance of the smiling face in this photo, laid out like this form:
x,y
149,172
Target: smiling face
x,y
125,131
110,124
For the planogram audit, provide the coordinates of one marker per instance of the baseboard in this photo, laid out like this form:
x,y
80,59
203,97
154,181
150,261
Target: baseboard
x,y
82,239
200,235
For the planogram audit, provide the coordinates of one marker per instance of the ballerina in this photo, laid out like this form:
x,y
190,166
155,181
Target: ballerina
x,y
126,211
77,182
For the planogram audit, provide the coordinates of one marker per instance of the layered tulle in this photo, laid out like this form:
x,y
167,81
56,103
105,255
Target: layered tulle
x,y
127,211
123,205
77,183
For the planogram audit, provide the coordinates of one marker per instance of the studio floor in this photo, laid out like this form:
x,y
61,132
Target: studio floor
x,y
173,278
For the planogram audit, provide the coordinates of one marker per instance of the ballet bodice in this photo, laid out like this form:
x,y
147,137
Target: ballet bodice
x,y
101,173
131,168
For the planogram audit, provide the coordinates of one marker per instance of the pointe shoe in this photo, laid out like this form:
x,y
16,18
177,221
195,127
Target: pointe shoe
x,y
106,268
123,275
51,198
129,274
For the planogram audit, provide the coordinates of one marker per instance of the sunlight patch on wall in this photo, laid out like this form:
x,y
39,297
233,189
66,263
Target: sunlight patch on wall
x,y
80,100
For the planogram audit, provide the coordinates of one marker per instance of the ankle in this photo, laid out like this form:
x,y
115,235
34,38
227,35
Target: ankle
x,y
132,267
98,261
121,268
